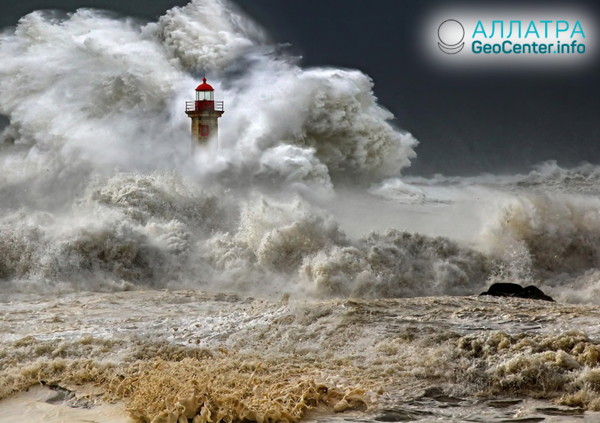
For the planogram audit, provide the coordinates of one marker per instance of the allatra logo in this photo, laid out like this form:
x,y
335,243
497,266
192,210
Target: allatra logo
x,y
451,34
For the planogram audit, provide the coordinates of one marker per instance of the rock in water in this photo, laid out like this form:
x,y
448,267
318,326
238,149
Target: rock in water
x,y
534,293
514,290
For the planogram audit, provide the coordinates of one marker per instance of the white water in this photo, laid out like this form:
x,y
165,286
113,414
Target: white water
x,y
303,195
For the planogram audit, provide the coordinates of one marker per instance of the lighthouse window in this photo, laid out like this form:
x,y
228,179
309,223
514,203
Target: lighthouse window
x,y
204,96
204,130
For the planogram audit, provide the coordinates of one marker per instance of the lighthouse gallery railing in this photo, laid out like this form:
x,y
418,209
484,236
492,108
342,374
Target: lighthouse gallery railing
x,y
194,106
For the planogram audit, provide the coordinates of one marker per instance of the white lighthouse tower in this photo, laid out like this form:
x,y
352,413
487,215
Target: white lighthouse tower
x,y
204,112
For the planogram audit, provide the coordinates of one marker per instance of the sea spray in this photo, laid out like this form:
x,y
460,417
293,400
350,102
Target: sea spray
x,y
300,201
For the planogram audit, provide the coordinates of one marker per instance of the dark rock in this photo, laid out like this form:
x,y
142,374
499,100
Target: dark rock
x,y
504,290
517,291
534,293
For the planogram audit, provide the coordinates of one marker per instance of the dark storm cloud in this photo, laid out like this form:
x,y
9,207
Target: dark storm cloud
x,y
471,123
466,123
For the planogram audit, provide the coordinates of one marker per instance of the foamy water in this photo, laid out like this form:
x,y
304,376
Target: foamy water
x,y
431,359
286,272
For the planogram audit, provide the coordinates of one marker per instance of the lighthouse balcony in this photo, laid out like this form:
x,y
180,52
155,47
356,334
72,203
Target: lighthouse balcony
x,y
202,105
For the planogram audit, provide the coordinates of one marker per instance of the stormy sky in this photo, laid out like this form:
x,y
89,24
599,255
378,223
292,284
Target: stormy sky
x,y
467,123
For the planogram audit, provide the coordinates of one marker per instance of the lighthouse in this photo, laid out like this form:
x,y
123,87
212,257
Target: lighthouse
x,y
204,112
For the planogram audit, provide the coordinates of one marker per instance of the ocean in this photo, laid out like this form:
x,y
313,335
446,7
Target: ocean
x,y
287,271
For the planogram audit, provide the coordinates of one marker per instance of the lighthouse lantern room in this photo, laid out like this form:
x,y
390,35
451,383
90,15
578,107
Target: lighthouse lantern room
x,y
204,112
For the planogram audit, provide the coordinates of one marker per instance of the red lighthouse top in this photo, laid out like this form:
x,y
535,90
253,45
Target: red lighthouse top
x,y
204,86
205,100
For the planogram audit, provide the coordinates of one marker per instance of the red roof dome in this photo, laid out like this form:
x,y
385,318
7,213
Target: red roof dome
x,y
204,86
